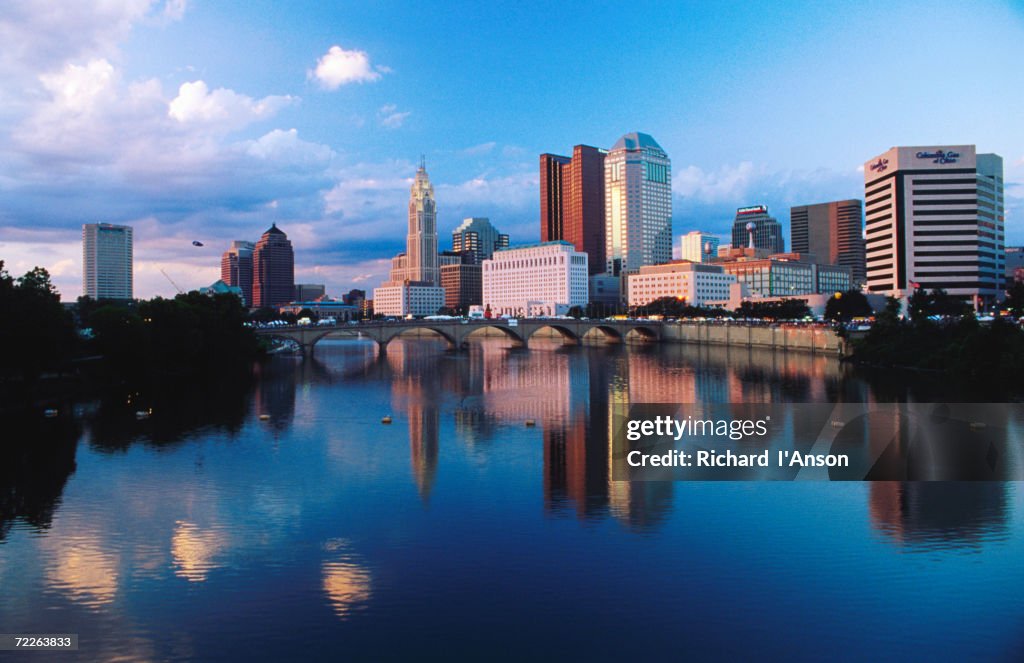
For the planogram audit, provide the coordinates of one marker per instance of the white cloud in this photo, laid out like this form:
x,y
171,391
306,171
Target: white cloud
x,y
196,103
285,146
390,117
339,67
481,149
79,88
725,184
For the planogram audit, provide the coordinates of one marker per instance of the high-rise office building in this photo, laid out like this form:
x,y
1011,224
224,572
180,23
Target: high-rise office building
x,y
236,268
552,219
934,218
273,265
696,246
477,237
572,201
106,261
832,232
638,205
755,228
414,284
421,240
1014,262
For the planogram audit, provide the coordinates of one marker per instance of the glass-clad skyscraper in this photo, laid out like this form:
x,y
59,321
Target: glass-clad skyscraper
x,y
638,204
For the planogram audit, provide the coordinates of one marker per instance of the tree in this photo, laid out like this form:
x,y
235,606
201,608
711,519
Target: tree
x,y
844,306
576,312
786,309
924,303
36,332
1015,298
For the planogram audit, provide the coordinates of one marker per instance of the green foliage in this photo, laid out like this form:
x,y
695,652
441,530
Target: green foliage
x,y
1015,298
786,309
845,306
187,335
37,333
576,312
924,304
678,308
964,348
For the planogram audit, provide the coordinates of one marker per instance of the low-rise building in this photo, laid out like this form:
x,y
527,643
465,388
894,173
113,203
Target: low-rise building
x,y
691,282
411,298
784,274
547,278
323,308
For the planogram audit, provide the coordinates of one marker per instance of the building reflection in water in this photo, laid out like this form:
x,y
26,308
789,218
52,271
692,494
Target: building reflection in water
x,y
928,515
574,393
275,392
416,389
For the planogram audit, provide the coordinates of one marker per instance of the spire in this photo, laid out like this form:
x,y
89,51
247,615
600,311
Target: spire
x,y
423,162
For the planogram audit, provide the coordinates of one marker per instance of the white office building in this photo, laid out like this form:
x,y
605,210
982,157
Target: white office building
x,y
693,283
106,261
697,246
535,280
638,205
934,218
407,299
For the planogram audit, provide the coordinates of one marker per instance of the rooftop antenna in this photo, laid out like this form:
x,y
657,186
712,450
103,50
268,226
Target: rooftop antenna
x,y
423,162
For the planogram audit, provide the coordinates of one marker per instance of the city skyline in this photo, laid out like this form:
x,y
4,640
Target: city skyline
x,y
190,121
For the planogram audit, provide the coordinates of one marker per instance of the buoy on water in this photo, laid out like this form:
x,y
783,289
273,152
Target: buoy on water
x,y
386,419
531,422
50,413
264,417
143,414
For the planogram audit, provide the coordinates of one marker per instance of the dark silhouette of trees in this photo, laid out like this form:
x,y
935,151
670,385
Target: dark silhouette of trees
x,y
844,306
786,309
37,334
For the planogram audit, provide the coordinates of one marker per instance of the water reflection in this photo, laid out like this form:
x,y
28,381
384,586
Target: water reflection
x,y
194,550
346,583
37,456
313,516
933,515
83,567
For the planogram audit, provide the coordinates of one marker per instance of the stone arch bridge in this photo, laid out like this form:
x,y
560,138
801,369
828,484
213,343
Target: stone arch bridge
x,y
457,331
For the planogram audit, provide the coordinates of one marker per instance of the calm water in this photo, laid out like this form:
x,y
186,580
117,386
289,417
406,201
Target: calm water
x,y
459,532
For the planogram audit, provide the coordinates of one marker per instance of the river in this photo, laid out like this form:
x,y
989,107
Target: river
x,y
283,520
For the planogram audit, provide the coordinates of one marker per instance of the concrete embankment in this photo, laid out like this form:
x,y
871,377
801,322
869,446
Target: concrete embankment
x,y
802,339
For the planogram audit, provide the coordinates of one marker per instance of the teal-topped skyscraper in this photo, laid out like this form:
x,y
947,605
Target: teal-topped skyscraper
x,y
638,204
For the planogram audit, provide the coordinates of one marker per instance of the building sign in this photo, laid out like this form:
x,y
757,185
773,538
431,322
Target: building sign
x,y
938,156
881,165
755,209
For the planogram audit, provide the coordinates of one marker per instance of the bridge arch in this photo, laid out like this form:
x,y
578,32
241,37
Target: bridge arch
x,y
564,331
647,333
510,332
610,333
387,336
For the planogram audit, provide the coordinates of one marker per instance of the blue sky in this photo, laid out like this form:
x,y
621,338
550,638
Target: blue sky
x,y
202,120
